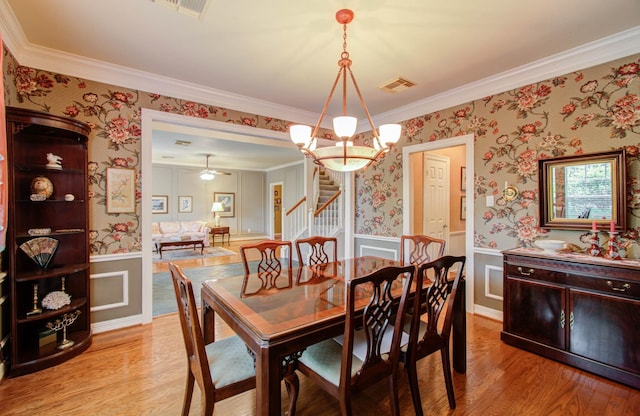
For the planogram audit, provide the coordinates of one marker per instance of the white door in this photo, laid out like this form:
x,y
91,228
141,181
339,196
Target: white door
x,y
436,197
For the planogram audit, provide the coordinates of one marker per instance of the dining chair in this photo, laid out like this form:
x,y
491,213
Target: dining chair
x,y
269,269
418,249
318,250
370,346
429,330
222,368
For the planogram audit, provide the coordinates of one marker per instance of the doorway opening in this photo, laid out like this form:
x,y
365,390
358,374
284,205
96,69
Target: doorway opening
x,y
423,166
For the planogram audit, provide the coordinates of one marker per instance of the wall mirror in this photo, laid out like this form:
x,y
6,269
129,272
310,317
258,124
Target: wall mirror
x,y
576,191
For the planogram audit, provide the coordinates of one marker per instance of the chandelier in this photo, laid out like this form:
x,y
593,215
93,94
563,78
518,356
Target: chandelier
x,y
345,155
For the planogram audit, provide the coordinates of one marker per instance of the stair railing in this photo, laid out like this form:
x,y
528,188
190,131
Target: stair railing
x,y
295,220
328,219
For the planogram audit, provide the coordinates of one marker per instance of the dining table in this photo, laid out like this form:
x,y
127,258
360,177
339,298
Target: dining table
x,y
307,308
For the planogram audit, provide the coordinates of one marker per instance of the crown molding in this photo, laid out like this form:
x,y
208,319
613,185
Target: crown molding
x,y
604,50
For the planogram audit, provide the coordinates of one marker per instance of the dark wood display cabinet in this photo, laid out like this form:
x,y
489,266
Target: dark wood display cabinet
x,y
47,240
576,309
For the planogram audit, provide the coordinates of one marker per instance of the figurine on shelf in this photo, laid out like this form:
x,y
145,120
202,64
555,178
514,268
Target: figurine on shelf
x,y
55,161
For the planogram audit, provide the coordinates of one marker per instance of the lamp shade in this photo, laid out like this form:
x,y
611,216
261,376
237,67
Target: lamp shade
x,y
206,175
300,134
217,207
390,133
345,126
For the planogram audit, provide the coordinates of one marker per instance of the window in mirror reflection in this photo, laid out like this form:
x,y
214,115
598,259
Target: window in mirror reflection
x,y
583,190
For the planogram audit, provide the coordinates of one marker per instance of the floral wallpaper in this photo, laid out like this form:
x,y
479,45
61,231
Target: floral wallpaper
x,y
115,140
593,110
596,109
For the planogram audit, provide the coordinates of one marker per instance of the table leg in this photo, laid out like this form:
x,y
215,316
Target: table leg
x,y
267,383
460,330
160,250
208,323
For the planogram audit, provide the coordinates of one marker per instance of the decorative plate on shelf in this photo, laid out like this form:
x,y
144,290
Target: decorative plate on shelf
x,y
41,185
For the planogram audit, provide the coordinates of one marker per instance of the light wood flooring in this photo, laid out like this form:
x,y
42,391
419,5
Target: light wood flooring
x,y
141,371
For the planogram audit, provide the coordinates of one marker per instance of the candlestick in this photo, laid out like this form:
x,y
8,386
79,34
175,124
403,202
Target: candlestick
x,y
594,249
612,247
594,226
612,227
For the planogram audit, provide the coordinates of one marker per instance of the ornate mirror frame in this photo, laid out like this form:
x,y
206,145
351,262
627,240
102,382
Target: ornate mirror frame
x,y
602,202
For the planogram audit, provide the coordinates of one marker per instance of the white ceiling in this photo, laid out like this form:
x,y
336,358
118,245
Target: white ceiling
x,y
280,57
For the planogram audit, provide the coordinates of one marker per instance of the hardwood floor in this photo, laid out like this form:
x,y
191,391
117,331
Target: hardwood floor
x,y
142,370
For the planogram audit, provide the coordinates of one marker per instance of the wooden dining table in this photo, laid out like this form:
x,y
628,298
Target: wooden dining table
x,y
308,308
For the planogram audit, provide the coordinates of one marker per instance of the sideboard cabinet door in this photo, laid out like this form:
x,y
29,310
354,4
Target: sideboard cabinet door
x,y
614,320
537,311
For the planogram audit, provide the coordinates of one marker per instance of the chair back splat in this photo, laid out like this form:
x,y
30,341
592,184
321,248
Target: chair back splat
x,y
418,249
430,328
269,268
319,250
370,346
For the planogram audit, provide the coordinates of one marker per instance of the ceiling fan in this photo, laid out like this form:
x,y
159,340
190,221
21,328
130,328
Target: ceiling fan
x,y
209,174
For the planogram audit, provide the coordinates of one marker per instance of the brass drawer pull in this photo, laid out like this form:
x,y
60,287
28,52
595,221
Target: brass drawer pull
x,y
525,273
622,288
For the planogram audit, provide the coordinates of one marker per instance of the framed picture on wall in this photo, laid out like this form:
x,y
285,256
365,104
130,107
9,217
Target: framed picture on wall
x,y
463,178
185,204
228,200
160,204
121,190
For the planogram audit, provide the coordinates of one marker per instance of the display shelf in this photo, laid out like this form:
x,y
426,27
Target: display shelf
x,y
51,314
51,272
31,137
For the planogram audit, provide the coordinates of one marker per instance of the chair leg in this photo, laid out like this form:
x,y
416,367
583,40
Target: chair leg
x,y
393,394
446,367
207,403
412,374
345,404
188,393
292,383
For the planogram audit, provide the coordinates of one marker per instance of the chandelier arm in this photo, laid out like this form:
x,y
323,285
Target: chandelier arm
x,y
326,104
364,106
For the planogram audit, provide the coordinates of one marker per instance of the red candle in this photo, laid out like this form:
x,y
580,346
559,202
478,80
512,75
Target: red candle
x,y
594,227
612,227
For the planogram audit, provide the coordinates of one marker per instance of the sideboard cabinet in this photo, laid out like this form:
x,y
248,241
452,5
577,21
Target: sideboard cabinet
x,y
47,239
575,309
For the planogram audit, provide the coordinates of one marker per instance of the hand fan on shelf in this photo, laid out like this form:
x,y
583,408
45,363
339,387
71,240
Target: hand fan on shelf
x,y
40,250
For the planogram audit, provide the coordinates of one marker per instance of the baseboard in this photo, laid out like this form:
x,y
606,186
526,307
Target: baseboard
x,y
487,312
119,323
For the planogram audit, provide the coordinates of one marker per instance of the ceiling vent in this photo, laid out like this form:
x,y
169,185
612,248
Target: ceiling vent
x,y
184,143
397,85
194,8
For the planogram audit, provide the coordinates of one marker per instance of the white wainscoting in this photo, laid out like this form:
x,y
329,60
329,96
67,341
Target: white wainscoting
x,y
457,244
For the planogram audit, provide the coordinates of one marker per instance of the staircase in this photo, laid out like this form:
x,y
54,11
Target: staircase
x,y
326,188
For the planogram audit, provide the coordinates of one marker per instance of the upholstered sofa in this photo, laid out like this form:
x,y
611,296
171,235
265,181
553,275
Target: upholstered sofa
x,y
180,230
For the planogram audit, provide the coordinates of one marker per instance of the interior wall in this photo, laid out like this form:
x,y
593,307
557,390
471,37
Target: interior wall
x,y
247,186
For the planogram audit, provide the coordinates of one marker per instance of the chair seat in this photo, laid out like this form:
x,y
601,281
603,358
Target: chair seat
x,y
360,341
325,359
233,363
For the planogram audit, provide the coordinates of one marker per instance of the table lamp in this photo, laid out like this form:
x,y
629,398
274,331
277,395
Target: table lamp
x,y
217,208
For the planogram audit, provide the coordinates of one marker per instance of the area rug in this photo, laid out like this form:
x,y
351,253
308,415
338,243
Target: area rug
x,y
190,253
164,298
